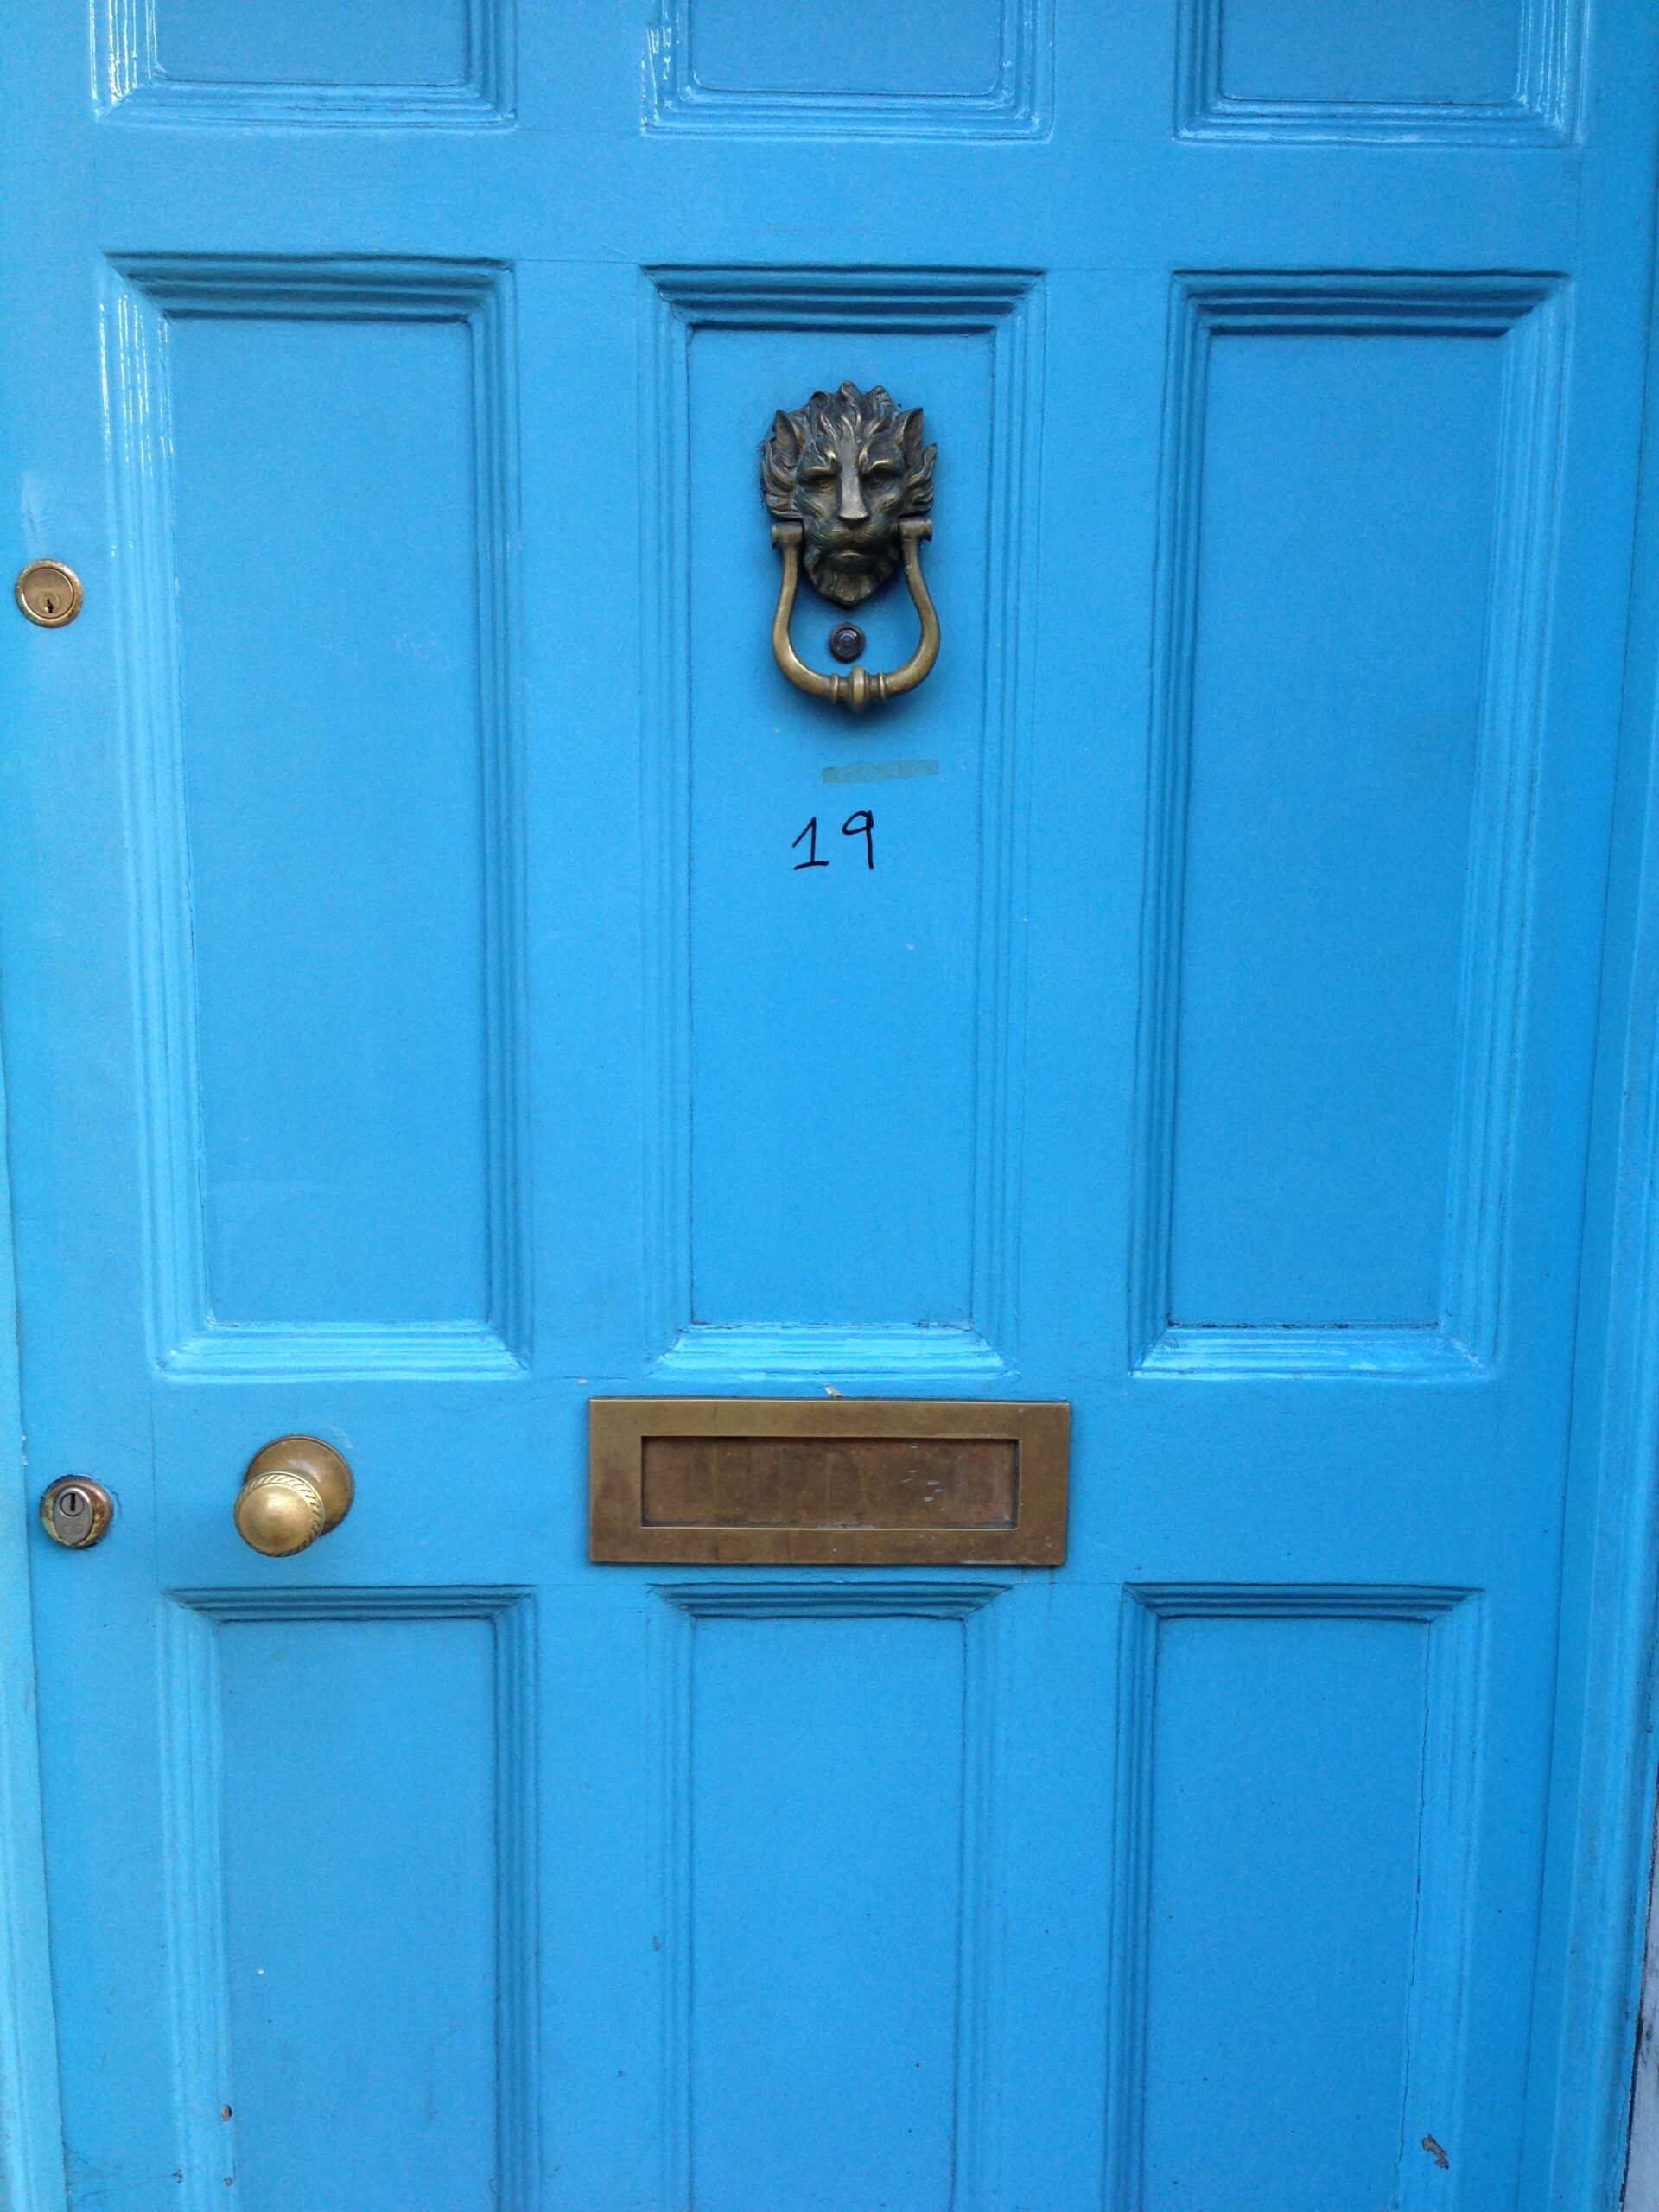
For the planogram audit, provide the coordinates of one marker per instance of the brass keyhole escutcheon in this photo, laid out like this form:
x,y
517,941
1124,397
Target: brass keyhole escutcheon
x,y
76,1512
294,1491
49,593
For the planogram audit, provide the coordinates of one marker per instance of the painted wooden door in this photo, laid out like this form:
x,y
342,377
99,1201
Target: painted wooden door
x,y
419,1020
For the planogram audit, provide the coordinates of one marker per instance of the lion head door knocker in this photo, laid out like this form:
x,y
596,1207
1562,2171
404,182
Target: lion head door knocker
x,y
851,483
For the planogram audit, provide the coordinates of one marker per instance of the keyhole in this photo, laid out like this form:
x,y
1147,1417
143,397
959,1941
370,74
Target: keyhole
x,y
49,592
74,1512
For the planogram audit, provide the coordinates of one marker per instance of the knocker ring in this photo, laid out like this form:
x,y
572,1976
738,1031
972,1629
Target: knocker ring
x,y
863,687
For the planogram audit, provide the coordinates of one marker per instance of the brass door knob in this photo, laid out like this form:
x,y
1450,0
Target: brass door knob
x,y
294,1491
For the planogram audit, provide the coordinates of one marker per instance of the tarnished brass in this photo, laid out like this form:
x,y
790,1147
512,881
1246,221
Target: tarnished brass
x,y
851,484
76,1513
863,688
294,1491
814,1482
870,1481
49,594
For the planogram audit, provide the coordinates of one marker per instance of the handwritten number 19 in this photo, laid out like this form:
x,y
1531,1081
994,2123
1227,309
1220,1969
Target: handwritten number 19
x,y
861,824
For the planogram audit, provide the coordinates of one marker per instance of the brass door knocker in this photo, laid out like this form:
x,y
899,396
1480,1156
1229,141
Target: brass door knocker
x,y
851,483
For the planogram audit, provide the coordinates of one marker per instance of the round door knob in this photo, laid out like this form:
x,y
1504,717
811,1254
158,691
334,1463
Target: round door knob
x,y
294,1491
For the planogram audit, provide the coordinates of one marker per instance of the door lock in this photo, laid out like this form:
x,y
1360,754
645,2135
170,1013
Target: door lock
x,y
49,593
76,1513
294,1491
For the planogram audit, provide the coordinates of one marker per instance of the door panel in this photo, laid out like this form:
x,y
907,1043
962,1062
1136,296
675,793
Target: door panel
x,y
1302,1762
344,1772
347,1206
841,1742
1493,70
833,1160
1363,543
449,974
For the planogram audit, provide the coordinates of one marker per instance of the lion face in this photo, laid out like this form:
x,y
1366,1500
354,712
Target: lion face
x,y
847,467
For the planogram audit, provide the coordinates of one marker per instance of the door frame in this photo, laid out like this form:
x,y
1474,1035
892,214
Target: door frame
x,y
32,2177
1642,2155
1600,1838
1601,1830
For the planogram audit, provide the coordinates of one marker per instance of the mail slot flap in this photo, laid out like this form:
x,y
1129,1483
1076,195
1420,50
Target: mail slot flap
x,y
872,1481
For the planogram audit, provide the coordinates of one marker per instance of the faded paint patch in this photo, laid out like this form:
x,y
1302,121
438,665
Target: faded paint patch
x,y
878,771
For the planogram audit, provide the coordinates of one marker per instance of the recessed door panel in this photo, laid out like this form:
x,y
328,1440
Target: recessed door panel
x,y
1492,70
1304,1766
1367,55
416,42
832,1137
736,46
322,726
827,1760
838,1042
350,1800
1360,524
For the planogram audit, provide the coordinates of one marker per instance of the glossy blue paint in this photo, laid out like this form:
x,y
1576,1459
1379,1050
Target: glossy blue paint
x,y
31,2121
416,1022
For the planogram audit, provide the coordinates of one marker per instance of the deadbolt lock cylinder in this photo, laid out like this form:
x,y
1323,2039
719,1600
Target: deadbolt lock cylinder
x,y
76,1512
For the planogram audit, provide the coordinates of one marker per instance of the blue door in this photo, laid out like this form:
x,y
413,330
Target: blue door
x,y
463,960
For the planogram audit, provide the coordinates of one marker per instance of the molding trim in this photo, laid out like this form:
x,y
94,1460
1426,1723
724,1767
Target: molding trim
x,y
1601,1842
1005,309
1528,315
134,88
1017,104
144,296
1434,2076
1542,112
